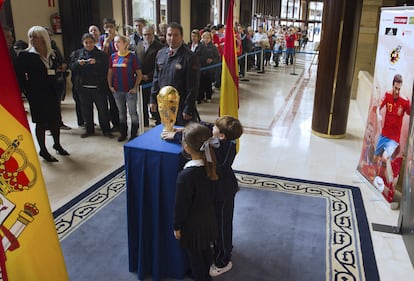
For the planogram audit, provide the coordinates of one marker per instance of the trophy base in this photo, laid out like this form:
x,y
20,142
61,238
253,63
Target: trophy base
x,y
168,129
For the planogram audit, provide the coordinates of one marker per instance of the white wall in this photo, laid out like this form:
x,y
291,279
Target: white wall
x,y
117,12
185,19
27,13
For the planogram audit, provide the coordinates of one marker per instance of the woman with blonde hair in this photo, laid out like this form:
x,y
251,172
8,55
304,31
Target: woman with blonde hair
x,y
38,70
124,76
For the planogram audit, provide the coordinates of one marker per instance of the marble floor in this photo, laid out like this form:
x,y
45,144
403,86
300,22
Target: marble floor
x,y
276,111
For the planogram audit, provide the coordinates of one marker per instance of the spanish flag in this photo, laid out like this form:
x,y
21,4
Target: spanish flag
x,y
29,248
229,93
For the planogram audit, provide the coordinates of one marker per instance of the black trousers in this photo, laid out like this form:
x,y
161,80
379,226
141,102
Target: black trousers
x,y
205,90
75,96
145,101
224,243
113,109
241,65
88,97
217,77
200,261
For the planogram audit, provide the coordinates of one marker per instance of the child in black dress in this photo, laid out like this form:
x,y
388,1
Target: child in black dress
x,y
227,129
194,214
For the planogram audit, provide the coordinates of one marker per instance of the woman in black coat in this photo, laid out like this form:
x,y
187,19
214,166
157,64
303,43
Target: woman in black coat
x,y
38,71
209,56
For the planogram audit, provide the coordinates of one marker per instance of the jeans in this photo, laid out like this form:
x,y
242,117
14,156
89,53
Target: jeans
x,y
290,52
124,99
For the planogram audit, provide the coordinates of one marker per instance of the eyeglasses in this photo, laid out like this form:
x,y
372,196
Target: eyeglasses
x,y
146,34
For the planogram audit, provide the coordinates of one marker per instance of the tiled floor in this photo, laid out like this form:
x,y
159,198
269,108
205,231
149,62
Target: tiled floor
x,y
276,111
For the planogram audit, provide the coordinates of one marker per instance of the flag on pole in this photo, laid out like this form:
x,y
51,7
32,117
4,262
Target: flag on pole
x,y
229,93
29,248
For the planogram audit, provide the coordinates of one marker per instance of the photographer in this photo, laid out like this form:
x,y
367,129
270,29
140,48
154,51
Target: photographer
x,y
91,67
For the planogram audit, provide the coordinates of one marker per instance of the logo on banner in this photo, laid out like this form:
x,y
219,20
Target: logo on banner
x,y
392,31
395,55
411,21
400,20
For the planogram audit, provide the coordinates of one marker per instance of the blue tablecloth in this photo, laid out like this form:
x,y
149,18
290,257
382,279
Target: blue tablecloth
x,y
152,165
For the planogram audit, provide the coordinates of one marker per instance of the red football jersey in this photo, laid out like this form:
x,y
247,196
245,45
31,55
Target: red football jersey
x,y
395,109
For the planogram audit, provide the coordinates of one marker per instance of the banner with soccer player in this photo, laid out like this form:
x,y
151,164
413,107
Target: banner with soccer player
x,y
384,145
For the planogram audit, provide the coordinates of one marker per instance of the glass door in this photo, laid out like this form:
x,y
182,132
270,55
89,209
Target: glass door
x,y
315,20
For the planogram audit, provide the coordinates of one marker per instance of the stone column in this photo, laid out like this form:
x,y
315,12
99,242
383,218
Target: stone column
x,y
337,53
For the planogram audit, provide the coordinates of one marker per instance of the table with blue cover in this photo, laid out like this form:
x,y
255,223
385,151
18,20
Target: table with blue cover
x,y
151,166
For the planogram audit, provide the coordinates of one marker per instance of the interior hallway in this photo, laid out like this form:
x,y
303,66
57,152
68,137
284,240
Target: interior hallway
x,y
276,111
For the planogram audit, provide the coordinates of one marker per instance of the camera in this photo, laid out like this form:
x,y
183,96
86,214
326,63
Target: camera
x,y
106,34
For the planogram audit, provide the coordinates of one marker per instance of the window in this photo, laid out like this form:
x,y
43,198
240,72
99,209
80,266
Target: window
x,y
147,9
290,10
315,11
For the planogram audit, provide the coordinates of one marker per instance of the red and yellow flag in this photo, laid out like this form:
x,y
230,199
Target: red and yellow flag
x,y
229,93
29,248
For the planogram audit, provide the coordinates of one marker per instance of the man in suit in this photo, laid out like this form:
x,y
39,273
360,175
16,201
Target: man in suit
x,y
146,51
177,66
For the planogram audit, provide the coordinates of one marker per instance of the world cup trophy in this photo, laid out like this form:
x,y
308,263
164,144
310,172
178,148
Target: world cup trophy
x,y
168,100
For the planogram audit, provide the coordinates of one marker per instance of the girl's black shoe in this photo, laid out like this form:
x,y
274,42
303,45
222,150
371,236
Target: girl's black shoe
x,y
46,155
59,149
121,138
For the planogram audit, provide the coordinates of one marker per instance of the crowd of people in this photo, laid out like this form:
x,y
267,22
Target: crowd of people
x,y
106,72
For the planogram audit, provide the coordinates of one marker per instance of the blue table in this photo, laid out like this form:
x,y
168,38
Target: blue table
x,y
152,165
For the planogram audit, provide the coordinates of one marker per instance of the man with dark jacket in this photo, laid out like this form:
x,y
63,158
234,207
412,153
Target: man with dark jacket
x,y
146,51
178,67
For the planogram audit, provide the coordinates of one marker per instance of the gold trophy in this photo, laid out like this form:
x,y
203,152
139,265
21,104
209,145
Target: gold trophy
x,y
168,100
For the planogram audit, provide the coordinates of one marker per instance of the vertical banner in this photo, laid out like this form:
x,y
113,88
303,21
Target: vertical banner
x,y
384,146
29,248
229,91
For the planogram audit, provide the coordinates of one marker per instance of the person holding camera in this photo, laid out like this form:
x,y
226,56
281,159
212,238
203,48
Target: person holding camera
x,y
91,67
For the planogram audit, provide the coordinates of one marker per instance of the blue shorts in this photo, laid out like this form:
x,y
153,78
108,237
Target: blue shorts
x,y
385,144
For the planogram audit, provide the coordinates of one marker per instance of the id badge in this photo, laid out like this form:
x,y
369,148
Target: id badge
x,y
51,72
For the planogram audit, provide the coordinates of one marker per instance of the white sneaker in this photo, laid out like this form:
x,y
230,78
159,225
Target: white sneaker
x,y
216,271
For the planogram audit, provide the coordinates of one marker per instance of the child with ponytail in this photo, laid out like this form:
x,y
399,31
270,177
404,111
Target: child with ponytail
x,y
194,213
